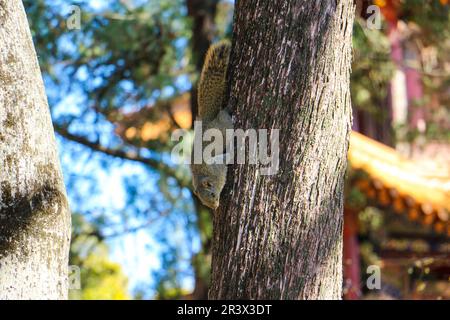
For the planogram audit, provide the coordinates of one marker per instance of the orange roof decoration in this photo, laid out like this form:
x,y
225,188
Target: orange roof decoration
x,y
405,185
155,122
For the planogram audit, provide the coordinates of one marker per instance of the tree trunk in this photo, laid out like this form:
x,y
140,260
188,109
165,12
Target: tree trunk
x,y
280,236
34,215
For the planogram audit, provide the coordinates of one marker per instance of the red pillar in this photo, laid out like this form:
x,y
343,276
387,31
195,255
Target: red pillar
x,y
352,266
414,88
406,57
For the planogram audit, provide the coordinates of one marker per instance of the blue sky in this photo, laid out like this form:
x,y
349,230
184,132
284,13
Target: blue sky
x,y
137,252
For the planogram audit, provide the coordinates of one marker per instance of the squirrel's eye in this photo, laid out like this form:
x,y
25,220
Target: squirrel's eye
x,y
207,184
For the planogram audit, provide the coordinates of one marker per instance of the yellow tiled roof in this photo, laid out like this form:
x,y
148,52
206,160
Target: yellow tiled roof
x,y
400,182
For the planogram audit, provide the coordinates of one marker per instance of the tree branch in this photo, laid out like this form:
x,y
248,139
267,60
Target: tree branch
x,y
128,230
118,153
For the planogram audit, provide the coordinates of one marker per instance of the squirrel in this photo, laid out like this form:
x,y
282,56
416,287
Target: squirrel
x,y
209,179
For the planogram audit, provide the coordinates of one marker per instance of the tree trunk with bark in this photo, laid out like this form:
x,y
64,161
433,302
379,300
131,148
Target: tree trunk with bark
x,y
280,236
34,215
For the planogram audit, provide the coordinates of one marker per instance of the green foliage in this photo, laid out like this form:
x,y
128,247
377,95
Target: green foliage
x,y
371,70
169,277
101,279
371,220
431,17
428,23
127,56
124,58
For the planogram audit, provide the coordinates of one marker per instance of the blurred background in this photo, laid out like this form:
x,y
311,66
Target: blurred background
x,y
123,79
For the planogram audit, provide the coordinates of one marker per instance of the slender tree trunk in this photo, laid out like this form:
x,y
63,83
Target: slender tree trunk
x,y
280,236
34,215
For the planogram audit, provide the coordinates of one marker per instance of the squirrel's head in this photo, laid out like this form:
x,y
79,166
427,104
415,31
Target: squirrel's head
x,y
205,190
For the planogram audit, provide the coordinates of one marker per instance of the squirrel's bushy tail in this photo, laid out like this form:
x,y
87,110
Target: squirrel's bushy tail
x,y
212,84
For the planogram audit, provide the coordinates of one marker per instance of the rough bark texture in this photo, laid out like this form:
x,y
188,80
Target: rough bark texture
x,y
280,236
34,216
